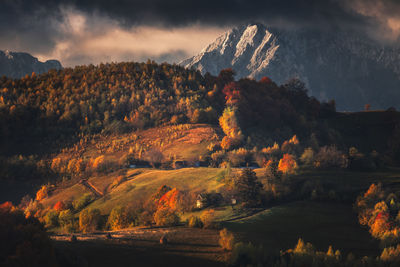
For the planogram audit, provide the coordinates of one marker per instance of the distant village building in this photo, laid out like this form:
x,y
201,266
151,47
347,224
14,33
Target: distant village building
x,y
208,199
199,204
201,201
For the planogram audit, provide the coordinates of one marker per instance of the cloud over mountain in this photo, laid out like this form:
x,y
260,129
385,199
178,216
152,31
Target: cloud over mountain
x,y
343,65
50,27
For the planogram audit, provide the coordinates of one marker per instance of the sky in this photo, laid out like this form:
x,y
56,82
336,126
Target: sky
x,y
80,32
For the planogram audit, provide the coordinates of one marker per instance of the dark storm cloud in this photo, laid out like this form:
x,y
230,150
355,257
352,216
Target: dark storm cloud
x,y
223,12
45,26
181,12
15,13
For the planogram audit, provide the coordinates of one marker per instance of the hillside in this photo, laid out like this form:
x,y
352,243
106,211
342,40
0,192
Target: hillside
x,y
345,66
97,107
139,186
116,156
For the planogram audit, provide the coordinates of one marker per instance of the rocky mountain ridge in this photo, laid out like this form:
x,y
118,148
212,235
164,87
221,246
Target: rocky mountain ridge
x,y
352,69
18,64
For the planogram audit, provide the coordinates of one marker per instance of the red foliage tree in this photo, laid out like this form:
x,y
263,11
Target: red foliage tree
x,y
59,206
170,199
265,79
232,93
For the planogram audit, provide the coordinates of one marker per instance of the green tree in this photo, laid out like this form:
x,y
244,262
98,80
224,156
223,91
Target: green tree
x,y
247,188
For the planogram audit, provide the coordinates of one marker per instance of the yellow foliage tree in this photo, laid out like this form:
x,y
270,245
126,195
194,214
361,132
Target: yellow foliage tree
x,y
230,126
226,239
98,161
207,218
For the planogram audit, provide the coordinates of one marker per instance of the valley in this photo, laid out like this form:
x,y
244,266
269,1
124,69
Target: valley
x,y
154,162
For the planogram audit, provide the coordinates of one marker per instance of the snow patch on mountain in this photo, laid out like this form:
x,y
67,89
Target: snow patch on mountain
x,y
345,66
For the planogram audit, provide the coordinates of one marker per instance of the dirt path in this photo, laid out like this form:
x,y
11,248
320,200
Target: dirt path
x,y
91,187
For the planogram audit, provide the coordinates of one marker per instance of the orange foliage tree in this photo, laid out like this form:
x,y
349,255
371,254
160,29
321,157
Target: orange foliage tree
x,y
380,225
287,164
42,193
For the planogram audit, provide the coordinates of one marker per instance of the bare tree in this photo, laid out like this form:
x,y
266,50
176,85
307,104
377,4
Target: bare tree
x,y
154,157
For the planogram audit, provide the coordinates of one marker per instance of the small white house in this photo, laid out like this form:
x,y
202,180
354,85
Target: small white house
x,y
199,204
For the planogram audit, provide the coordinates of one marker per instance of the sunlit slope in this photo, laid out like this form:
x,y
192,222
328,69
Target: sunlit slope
x,y
140,185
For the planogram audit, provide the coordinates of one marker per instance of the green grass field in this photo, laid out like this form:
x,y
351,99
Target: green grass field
x,y
276,228
321,224
141,184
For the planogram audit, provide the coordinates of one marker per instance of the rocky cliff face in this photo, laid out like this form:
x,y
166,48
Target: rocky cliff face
x,y
17,65
343,66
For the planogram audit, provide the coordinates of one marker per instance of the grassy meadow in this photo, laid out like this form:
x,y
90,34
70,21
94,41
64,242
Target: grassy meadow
x,y
321,224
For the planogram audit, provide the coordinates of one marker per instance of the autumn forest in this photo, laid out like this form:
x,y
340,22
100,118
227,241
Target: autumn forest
x,y
104,156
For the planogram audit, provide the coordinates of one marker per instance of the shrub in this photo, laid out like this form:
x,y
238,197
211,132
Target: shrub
x,y
154,157
195,221
42,193
67,221
207,218
218,157
330,157
240,157
89,220
303,248
226,239
83,201
308,156
51,218
260,159
165,217
34,207
246,255
212,147
271,170
391,254
119,218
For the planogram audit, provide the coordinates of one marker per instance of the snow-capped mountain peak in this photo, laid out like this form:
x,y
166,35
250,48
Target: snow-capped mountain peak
x,y
345,66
